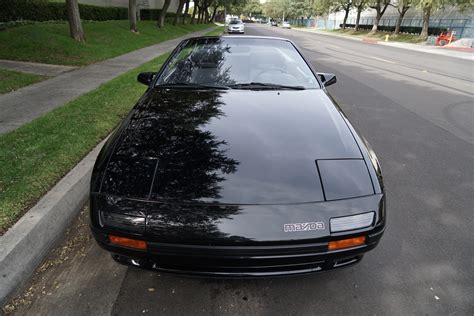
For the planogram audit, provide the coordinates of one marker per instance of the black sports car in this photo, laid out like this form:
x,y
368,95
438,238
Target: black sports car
x,y
237,162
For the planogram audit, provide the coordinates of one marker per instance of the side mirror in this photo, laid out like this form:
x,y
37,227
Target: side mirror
x,y
145,77
327,79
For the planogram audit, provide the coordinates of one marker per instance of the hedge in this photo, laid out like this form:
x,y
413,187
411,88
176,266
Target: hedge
x,y
152,14
403,29
13,10
41,10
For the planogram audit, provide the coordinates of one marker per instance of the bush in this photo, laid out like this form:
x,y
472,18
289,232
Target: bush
x,y
37,10
403,29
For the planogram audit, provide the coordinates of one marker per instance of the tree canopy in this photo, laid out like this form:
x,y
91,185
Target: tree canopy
x,y
289,8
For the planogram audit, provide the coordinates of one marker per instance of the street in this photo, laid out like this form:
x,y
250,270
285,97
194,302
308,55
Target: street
x,y
417,112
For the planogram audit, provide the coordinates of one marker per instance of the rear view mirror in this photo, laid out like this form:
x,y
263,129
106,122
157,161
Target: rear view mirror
x,y
327,79
145,77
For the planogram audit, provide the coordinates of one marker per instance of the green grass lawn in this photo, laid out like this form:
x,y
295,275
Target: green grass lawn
x,y
217,31
13,80
35,156
51,43
407,38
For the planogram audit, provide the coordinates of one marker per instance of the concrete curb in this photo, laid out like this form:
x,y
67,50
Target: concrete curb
x,y
23,247
369,40
457,48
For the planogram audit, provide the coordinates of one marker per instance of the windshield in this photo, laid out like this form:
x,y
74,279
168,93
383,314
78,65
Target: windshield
x,y
235,22
239,63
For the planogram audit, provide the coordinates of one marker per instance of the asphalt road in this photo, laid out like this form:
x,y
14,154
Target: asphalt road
x,y
417,111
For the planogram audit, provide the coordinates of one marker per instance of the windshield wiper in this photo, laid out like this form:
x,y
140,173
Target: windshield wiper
x,y
266,86
191,85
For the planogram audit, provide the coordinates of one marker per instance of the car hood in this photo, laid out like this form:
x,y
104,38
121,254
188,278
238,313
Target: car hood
x,y
235,147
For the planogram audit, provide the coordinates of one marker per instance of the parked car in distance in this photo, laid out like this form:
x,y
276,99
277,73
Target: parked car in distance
x,y
274,23
237,162
286,25
236,26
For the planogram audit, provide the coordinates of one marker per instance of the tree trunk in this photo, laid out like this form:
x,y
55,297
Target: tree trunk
x,y
179,11
186,9
359,11
426,22
346,15
213,15
376,23
206,15
75,26
380,12
162,16
200,15
132,15
400,20
193,18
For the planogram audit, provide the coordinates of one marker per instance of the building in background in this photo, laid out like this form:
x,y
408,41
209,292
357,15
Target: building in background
x,y
449,18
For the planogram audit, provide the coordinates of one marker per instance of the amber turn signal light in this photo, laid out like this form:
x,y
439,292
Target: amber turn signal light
x,y
346,243
127,242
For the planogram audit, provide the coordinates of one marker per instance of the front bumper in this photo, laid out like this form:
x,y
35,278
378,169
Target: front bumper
x,y
240,261
240,31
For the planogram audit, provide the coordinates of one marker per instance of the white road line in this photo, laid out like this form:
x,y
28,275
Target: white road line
x,y
334,46
384,60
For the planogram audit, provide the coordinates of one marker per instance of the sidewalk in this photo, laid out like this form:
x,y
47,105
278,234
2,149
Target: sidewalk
x,y
468,55
24,105
35,68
